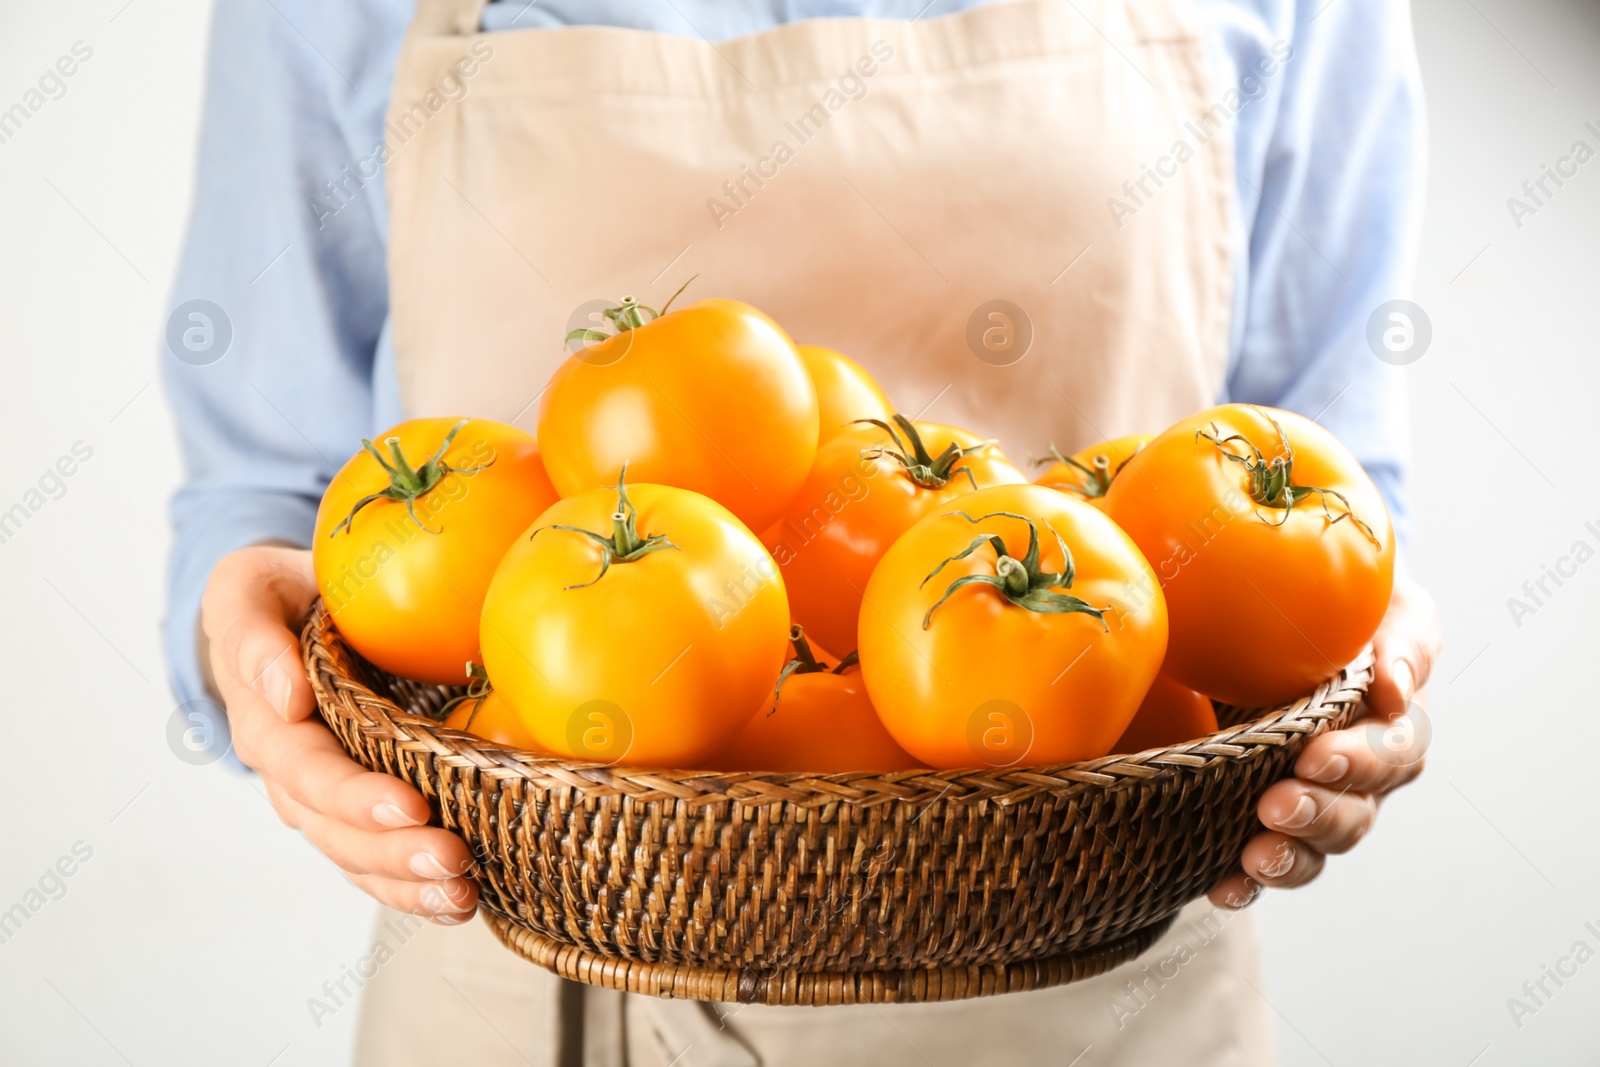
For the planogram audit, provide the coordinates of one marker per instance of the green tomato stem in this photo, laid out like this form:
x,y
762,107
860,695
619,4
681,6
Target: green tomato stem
x,y
1021,581
408,484
926,470
1271,482
624,545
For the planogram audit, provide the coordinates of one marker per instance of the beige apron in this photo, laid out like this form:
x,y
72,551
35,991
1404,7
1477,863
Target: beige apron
x,y
963,204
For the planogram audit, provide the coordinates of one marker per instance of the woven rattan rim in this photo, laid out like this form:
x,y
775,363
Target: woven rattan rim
x,y
919,985
335,677
709,885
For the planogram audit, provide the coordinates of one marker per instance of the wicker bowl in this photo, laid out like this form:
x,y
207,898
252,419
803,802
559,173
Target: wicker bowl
x,y
827,889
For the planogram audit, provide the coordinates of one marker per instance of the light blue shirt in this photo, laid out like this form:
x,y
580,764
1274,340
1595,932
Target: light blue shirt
x,y
1330,173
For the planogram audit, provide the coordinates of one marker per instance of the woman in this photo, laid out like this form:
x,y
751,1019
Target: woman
x,y
1159,203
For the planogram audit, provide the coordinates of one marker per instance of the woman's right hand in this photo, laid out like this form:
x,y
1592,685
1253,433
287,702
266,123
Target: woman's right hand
x,y
372,826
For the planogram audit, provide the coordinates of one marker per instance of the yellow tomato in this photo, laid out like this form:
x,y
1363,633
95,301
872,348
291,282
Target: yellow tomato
x,y
867,487
1010,628
1273,547
493,718
644,624
819,720
1170,714
408,536
846,393
712,397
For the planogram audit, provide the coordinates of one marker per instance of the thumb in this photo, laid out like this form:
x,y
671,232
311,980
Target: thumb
x,y
271,666
1405,647
253,599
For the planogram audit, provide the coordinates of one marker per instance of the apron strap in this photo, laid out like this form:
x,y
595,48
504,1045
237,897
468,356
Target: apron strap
x,y
448,18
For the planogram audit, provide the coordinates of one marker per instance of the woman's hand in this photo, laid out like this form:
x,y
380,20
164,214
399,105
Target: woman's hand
x,y
372,826
1340,778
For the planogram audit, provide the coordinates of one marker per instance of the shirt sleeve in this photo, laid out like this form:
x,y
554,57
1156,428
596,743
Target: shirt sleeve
x,y
271,385
1333,206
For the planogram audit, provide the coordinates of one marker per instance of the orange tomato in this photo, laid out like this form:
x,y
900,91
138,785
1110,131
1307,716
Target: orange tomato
x,y
846,393
819,720
1089,473
643,623
868,486
1002,634
1272,545
712,398
408,536
492,718
1170,715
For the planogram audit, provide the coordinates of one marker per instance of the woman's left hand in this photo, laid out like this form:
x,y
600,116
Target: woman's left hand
x,y
1340,778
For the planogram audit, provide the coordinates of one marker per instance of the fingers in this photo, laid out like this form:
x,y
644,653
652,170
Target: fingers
x,y
1370,756
348,814
372,826
307,762
1328,820
1235,892
1271,860
1405,646
431,900
1279,861
250,601
1340,776
407,869
253,598
421,853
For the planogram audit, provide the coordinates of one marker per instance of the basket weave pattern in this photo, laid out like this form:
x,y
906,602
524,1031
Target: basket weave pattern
x,y
838,888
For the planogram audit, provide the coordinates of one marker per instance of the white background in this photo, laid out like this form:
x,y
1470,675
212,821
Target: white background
x,y
200,926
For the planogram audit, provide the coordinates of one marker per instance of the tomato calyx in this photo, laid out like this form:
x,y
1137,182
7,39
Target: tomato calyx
x,y
478,690
1272,481
927,470
624,545
1020,581
407,484
805,662
1096,478
629,314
